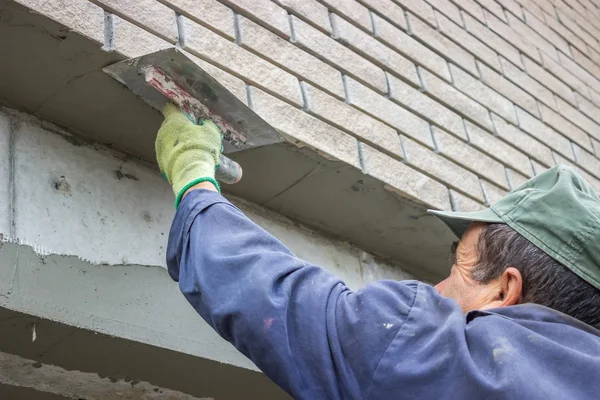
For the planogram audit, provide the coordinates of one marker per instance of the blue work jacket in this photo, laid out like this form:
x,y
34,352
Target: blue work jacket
x,y
318,339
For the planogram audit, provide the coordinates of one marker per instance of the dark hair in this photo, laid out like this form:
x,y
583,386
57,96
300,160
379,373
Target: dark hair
x,y
545,281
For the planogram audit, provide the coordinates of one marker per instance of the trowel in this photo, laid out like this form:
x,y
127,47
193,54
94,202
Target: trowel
x,y
170,76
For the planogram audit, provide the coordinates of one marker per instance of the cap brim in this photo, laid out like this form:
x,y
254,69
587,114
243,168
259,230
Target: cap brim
x,y
459,222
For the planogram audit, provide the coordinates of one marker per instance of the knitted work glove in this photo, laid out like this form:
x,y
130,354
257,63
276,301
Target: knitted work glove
x,y
187,153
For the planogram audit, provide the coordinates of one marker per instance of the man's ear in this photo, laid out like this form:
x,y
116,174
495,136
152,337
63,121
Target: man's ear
x,y
511,290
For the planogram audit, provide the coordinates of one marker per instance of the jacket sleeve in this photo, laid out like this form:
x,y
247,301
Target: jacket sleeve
x,y
297,322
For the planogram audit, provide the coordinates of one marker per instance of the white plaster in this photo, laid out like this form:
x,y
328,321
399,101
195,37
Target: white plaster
x,y
4,174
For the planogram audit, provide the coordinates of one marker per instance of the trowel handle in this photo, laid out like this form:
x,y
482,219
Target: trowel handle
x,y
228,171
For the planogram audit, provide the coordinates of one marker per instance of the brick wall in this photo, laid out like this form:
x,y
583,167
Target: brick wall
x,y
468,97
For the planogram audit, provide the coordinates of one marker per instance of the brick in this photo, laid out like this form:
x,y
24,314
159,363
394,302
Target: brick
x,y
596,146
469,42
352,10
463,203
544,133
594,55
290,57
579,119
442,169
495,9
335,53
565,76
264,12
513,37
585,62
594,97
351,120
528,84
550,81
496,148
470,158
448,9
492,192
454,99
587,160
378,52
420,8
304,129
537,167
209,13
591,7
577,7
573,27
217,50
515,179
512,6
508,89
132,41
564,10
529,7
537,40
310,10
492,39
442,44
389,112
595,183
79,15
587,107
564,32
529,144
388,10
535,5
426,107
151,15
233,84
542,29
483,94
404,180
566,127
472,8
409,47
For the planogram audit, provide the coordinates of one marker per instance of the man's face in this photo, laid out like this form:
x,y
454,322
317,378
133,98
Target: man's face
x,y
470,294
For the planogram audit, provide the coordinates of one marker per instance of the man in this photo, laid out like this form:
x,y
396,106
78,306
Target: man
x,y
516,318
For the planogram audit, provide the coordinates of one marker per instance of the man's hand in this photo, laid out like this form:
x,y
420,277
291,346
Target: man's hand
x,y
187,153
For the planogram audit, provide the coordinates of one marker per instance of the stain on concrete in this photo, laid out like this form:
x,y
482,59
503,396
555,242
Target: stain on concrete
x,y
124,175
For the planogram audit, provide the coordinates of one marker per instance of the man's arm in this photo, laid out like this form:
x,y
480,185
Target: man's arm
x,y
297,322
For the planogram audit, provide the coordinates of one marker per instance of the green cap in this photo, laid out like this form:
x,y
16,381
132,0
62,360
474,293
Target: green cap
x,y
557,210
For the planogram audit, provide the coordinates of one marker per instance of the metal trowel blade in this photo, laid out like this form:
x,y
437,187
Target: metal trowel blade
x,y
198,83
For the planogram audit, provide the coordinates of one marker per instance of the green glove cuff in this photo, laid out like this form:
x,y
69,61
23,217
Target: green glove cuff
x,y
194,183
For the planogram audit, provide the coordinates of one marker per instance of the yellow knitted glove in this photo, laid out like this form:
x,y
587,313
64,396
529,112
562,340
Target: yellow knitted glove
x,y
187,153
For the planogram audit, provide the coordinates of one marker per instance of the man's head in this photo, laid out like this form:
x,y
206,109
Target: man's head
x,y
494,266
539,244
